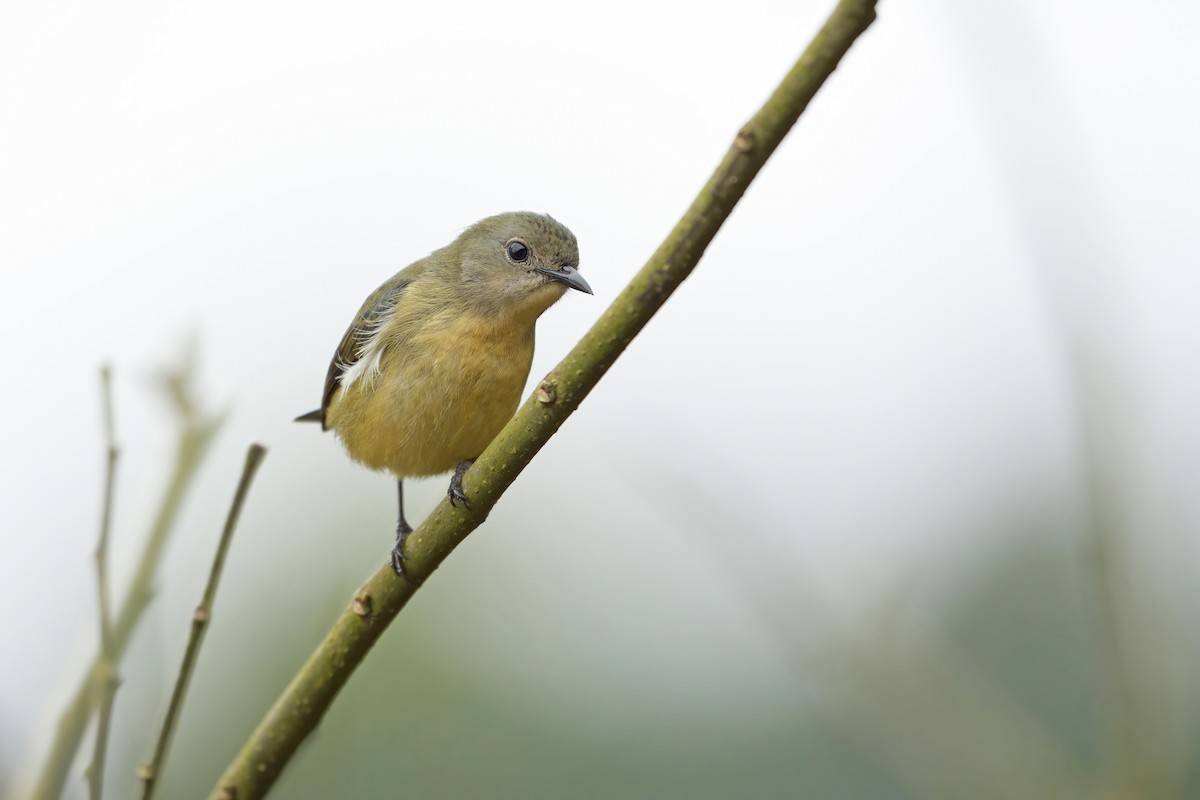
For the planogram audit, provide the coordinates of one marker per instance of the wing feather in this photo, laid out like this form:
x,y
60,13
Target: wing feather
x,y
358,354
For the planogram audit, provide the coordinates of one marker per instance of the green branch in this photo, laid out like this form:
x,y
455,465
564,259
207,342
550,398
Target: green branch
x,y
200,618
306,699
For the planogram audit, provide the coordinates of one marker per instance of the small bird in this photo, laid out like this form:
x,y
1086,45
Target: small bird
x,y
435,362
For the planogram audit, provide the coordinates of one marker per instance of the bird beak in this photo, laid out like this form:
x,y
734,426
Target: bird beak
x,y
567,275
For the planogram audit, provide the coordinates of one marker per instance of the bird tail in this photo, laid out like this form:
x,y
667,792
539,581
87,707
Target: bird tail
x,y
312,416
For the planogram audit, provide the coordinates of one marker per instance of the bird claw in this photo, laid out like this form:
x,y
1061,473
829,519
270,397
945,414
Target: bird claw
x,y
455,492
403,529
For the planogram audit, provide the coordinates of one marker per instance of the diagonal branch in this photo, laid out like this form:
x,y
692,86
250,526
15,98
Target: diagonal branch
x,y
151,772
306,699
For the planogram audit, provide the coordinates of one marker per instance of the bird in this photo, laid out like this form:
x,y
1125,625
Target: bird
x,y
435,361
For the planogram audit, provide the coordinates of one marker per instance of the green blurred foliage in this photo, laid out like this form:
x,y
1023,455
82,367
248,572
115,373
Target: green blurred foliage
x,y
1006,679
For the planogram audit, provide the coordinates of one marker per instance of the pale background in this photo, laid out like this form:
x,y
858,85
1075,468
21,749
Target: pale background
x,y
865,396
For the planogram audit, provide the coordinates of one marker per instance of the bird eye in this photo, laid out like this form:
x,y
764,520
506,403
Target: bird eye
x,y
517,251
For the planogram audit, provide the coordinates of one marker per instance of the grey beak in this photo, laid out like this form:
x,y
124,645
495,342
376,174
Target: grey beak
x,y
568,275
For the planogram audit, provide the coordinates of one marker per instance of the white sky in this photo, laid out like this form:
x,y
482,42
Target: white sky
x,y
867,362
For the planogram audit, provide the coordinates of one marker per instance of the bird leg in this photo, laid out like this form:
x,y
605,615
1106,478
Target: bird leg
x,y
455,492
403,529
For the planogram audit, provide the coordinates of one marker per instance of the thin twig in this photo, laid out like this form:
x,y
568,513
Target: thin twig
x,y
151,772
106,679
306,699
197,427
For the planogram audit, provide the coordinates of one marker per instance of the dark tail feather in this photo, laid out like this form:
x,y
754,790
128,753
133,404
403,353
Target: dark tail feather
x,y
312,416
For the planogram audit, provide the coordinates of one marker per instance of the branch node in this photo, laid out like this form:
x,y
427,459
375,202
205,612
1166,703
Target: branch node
x,y
546,393
362,605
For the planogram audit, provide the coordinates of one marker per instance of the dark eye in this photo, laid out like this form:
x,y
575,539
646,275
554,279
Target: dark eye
x,y
518,252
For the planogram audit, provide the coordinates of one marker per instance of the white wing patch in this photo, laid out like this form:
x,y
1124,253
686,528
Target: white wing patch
x,y
369,354
366,364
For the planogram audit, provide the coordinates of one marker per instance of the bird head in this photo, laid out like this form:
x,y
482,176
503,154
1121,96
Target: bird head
x,y
518,263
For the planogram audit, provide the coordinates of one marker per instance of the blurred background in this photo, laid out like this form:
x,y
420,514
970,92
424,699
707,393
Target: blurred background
x,y
896,498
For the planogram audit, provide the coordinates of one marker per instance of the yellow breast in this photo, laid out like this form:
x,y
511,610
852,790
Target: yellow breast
x,y
445,387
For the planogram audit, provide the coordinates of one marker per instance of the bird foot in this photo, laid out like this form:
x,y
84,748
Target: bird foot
x,y
403,529
455,492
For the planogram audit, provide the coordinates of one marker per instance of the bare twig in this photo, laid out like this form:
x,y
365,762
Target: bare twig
x,y
203,613
196,430
105,678
300,708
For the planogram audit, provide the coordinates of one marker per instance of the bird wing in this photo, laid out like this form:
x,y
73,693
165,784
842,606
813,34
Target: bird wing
x,y
359,350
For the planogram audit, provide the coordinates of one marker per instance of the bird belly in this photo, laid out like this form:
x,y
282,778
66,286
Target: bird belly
x,y
437,399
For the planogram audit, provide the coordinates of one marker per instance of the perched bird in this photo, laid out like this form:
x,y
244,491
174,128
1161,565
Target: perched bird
x,y
435,362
